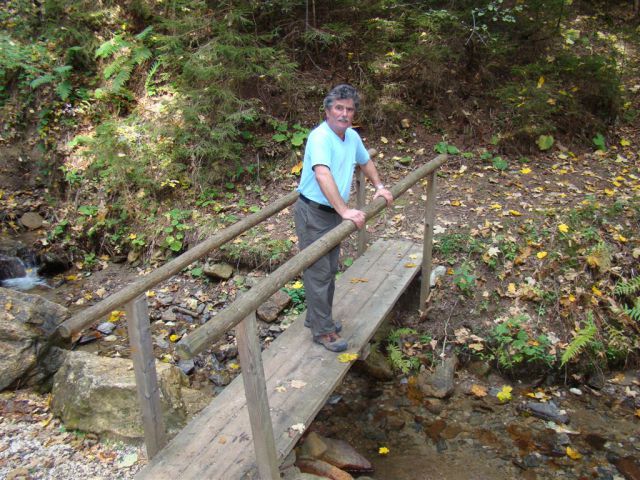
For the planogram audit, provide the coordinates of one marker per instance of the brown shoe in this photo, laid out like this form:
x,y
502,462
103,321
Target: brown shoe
x,y
331,342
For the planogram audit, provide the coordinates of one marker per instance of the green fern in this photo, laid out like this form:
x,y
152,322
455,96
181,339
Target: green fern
x,y
110,47
628,288
398,359
633,312
43,80
64,89
584,337
397,334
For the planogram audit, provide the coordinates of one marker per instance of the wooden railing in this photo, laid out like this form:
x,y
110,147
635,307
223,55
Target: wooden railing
x,y
240,314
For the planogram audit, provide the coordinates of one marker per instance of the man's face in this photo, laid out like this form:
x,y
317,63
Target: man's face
x,y
340,115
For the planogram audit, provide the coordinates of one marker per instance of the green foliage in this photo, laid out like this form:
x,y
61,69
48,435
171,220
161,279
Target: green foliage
x,y
545,142
294,136
600,142
513,346
400,361
444,147
297,294
628,287
403,346
464,279
629,291
584,337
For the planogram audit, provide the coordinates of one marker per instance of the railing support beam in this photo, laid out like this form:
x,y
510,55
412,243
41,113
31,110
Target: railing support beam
x,y
427,246
144,367
255,389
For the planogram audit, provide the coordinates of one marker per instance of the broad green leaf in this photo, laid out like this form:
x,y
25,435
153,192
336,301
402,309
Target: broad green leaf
x,y
599,142
545,142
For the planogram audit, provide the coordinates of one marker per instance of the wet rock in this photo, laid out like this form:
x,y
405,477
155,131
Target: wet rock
x,y
434,405
220,378
532,460
11,267
576,391
339,454
98,394
294,473
479,368
629,467
313,447
106,328
27,350
546,411
597,380
51,264
441,445
269,311
168,316
323,469
187,366
31,220
376,366
219,271
439,384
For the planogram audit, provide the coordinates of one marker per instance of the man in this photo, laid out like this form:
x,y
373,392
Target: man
x,y
333,150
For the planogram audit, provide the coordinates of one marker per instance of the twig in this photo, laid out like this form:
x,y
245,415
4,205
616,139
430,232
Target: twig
x,y
446,324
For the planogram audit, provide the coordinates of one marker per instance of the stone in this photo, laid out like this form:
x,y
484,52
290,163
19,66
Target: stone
x,y
11,267
313,447
597,380
546,411
629,468
98,394
342,455
220,378
187,366
376,365
220,271
106,327
294,473
31,220
479,368
51,264
28,354
269,311
322,469
439,384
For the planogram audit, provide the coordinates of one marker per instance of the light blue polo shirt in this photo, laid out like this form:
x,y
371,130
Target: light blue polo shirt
x,y
325,147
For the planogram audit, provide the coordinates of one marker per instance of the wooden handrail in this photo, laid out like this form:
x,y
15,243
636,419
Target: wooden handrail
x,y
198,340
128,293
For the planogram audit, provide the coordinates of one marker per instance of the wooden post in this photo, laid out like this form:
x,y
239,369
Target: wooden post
x,y
361,194
427,247
146,377
255,389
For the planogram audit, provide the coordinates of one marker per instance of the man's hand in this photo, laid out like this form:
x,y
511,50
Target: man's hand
x,y
384,193
356,216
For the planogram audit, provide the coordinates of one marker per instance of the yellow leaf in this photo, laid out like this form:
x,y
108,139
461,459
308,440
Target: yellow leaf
x,y
410,265
297,168
166,358
609,192
234,366
71,278
132,236
358,280
551,101
383,450
384,140
8,306
479,391
347,357
115,316
495,206
620,238
455,203
512,288
540,81
476,346
150,294
563,228
573,454
515,213
596,291
504,395
525,171
174,338
624,142
638,412
541,255
297,285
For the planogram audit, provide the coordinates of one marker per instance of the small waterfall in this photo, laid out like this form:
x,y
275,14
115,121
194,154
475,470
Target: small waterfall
x,y
15,274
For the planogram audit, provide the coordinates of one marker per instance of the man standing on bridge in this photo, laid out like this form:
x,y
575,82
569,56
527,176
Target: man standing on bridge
x,y
333,150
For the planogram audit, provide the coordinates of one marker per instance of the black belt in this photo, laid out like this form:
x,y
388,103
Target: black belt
x,y
319,206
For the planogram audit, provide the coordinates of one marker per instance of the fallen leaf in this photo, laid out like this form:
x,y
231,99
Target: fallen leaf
x,y
479,390
525,171
573,454
638,412
358,280
563,228
541,255
515,213
281,389
347,357
298,427
410,265
116,315
298,384
504,395
383,451
296,169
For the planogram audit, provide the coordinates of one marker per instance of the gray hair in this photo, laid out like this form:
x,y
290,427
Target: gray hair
x,y
341,92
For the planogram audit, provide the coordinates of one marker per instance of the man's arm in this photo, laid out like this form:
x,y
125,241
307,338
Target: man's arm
x,y
330,191
370,171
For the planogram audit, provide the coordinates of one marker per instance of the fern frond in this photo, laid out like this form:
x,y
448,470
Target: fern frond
x,y
141,55
110,47
63,70
114,67
584,336
122,77
633,312
63,89
395,335
144,34
43,80
398,359
628,288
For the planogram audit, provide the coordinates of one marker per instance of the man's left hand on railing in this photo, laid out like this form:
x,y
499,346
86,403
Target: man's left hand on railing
x,y
384,193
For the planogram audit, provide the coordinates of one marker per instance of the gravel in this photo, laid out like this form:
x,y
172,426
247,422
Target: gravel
x,y
34,445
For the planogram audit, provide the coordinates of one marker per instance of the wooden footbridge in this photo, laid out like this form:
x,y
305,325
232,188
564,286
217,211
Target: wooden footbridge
x,y
254,423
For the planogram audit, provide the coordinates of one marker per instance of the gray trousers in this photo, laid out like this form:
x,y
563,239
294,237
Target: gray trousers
x,y
320,278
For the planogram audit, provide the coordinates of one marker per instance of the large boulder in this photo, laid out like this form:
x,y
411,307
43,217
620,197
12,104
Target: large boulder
x,y
98,394
440,383
28,355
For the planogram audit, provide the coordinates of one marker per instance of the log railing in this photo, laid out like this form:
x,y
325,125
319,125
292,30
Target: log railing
x,y
240,313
